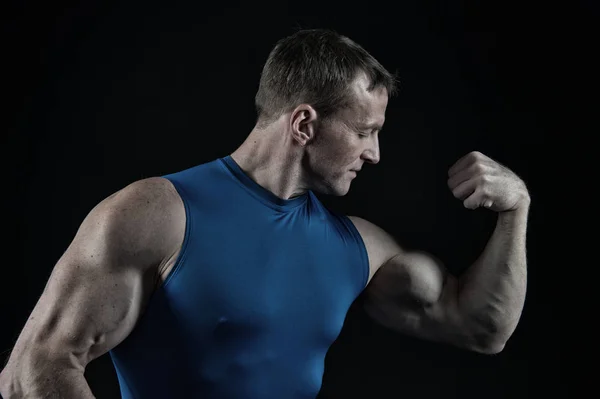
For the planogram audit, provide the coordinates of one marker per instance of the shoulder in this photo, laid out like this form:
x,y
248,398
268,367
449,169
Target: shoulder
x,y
149,191
150,202
380,245
146,200
145,219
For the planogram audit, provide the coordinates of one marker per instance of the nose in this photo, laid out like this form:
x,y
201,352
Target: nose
x,y
371,154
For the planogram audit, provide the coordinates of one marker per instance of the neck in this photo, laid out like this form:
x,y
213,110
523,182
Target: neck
x,y
273,161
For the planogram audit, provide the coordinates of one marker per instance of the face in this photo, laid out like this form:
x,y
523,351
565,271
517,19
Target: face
x,y
339,148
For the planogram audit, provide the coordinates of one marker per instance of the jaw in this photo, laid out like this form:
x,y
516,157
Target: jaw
x,y
337,187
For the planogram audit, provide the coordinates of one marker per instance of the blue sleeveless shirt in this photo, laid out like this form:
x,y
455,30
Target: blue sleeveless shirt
x,y
259,292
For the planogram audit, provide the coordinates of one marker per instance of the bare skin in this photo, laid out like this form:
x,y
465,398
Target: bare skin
x,y
297,153
408,291
127,246
97,290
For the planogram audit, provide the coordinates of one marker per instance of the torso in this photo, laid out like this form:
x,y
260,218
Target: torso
x,y
377,256
266,311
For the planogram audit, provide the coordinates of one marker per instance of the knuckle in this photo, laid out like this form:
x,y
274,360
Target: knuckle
x,y
458,192
478,167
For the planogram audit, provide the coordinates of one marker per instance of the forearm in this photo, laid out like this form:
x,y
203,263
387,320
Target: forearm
x,y
492,291
43,381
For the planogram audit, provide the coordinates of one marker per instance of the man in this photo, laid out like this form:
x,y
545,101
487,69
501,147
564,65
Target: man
x,y
231,280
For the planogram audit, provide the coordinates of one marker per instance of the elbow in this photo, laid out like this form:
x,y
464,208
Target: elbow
x,y
488,344
28,374
8,388
491,348
489,335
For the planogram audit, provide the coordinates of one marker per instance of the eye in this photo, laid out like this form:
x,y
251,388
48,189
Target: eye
x,y
363,134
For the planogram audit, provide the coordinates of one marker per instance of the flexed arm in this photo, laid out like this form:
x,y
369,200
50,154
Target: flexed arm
x,y
412,292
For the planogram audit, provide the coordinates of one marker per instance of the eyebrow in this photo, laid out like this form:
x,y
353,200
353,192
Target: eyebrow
x,y
372,126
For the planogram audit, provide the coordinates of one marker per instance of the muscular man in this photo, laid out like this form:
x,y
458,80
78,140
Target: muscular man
x,y
231,280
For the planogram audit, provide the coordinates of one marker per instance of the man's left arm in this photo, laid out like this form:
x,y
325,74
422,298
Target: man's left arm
x,y
412,292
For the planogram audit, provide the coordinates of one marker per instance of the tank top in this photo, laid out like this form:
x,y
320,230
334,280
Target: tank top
x,y
259,292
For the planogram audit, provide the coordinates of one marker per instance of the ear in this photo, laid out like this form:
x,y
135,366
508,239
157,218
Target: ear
x,y
303,123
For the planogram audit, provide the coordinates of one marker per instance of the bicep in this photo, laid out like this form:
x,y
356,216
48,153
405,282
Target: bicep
x,y
413,293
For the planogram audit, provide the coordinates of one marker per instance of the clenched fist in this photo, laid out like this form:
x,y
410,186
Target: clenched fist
x,y
480,181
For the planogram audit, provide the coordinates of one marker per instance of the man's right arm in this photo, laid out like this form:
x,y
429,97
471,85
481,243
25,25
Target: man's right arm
x,y
96,292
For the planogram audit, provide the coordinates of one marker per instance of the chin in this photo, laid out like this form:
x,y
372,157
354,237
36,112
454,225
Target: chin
x,y
342,191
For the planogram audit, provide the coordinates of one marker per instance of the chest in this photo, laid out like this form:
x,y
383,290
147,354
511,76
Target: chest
x,y
265,281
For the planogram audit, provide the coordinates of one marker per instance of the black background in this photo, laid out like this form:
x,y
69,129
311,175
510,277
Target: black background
x,y
100,94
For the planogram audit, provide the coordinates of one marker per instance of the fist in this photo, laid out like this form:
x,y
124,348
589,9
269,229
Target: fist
x,y
479,181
